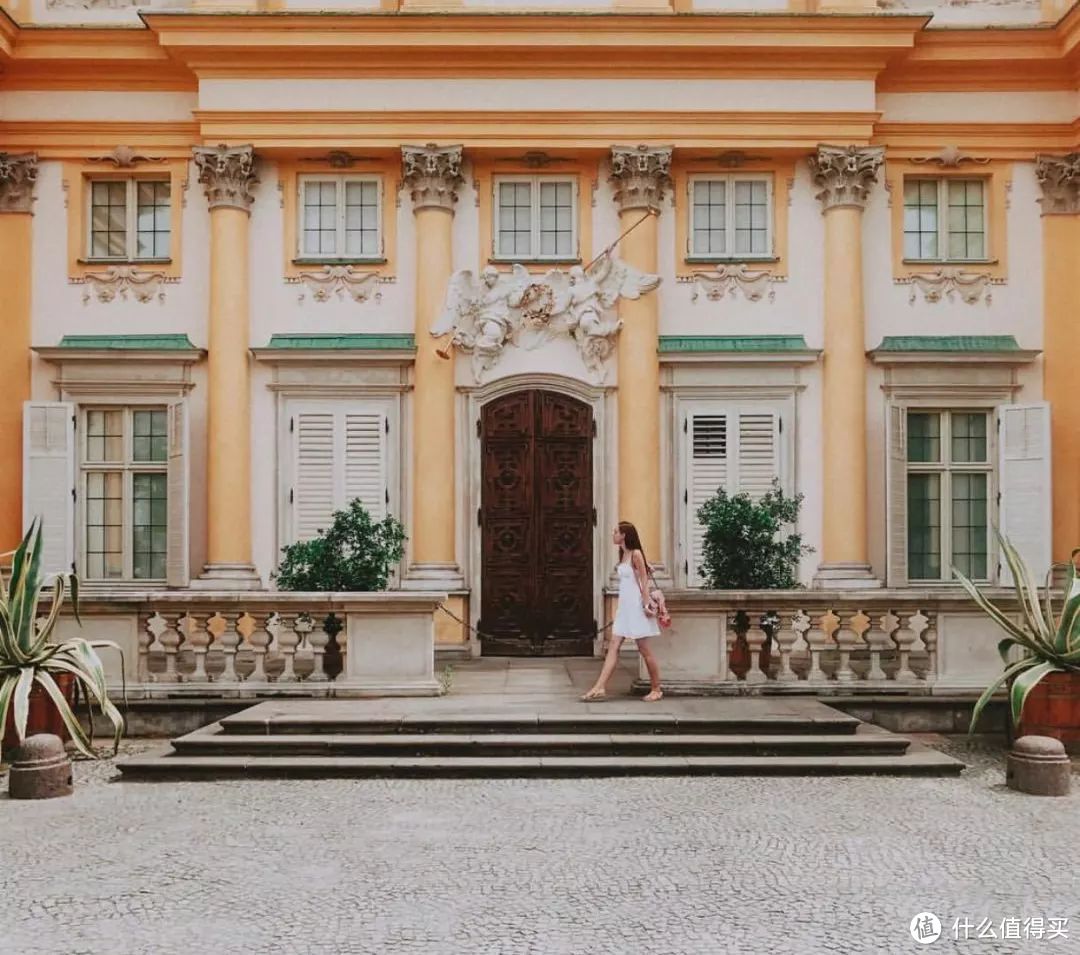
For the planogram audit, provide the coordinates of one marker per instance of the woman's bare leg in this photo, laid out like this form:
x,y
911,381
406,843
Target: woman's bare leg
x,y
655,693
610,662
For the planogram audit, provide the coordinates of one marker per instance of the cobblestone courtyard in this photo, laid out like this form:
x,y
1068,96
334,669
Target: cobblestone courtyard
x,y
668,865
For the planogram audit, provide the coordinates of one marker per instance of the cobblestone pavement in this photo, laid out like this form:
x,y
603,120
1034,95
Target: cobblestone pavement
x,y
683,865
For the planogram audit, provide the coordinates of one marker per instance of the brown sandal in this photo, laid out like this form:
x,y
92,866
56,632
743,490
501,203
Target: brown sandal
x,y
655,696
594,696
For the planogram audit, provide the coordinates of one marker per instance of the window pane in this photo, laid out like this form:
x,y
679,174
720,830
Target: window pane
x,y
150,435
556,216
320,218
104,436
149,525
924,526
361,218
515,219
967,237
969,507
108,219
924,436
751,215
710,212
968,437
152,215
920,219
104,499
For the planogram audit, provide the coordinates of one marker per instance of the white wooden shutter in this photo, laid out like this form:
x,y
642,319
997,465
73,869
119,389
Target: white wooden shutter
x,y
758,451
707,462
177,554
365,461
1024,514
316,465
49,479
896,497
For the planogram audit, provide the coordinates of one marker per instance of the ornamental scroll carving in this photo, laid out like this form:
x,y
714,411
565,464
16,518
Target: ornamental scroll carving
x,y
228,174
432,174
971,287
726,280
120,281
844,175
1059,177
18,173
640,175
483,314
338,281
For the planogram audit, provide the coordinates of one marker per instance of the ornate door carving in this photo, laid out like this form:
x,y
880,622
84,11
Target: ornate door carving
x,y
536,519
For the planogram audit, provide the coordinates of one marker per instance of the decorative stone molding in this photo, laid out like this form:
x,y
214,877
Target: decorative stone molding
x,y
228,173
755,284
89,4
1059,177
120,280
845,174
18,174
950,157
534,159
972,287
124,157
338,280
432,175
640,175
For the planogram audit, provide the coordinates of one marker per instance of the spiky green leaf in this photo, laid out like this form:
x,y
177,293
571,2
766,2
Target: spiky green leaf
x,y
1024,683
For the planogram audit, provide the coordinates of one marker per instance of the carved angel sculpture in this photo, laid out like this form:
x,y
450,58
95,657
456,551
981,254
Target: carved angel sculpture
x,y
478,312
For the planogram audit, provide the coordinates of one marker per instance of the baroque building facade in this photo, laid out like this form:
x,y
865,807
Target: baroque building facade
x,y
227,231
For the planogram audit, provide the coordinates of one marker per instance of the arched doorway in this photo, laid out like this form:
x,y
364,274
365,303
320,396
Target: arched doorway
x,y
536,525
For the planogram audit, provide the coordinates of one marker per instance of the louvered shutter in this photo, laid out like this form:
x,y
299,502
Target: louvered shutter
x,y
365,461
896,497
707,465
316,465
758,452
1024,476
177,560
49,480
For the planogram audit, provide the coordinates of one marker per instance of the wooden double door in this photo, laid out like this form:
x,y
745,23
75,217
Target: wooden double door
x,y
536,525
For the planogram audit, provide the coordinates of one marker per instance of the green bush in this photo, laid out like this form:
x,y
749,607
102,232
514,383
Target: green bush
x,y
744,548
354,554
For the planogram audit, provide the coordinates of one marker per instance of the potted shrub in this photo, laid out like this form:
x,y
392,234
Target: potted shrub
x,y
34,670
1044,682
745,547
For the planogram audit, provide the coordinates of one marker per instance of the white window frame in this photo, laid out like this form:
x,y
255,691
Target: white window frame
x,y
729,217
128,467
341,180
943,218
946,469
534,221
131,226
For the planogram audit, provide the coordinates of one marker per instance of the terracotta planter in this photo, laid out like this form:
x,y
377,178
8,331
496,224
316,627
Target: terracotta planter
x,y
1053,709
43,716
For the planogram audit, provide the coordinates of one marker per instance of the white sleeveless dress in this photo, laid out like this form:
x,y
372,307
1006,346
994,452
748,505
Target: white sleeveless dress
x,y
631,620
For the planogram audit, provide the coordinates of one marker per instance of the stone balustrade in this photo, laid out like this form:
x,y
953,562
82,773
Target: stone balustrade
x,y
256,644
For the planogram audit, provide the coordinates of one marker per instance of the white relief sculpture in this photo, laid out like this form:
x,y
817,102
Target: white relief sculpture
x,y
755,284
122,280
337,280
972,287
485,315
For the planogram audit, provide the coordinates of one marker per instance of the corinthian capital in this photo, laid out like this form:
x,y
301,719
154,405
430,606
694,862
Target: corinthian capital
x,y
228,173
432,174
1059,177
844,174
17,176
640,175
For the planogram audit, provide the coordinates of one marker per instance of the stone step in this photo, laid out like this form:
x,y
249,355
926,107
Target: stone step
x,y
211,742
309,723
169,765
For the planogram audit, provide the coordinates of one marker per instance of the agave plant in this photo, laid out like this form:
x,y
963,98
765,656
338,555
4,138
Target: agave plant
x,y
28,656
1050,644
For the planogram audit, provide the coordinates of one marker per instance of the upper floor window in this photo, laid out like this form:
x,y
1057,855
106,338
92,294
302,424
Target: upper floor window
x,y
130,219
731,216
535,218
944,219
340,217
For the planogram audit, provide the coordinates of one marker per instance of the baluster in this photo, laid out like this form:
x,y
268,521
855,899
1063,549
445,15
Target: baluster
x,y
904,637
730,638
245,625
818,640
317,639
200,638
929,639
302,625
755,640
170,639
285,642
785,637
849,637
259,641
919,623
229,640
147,639
880,639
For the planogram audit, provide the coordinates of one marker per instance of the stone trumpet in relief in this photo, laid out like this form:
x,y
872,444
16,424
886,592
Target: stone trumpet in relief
x,y
484,313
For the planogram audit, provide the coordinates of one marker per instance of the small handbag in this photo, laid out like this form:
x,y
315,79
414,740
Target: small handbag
x,y
656,597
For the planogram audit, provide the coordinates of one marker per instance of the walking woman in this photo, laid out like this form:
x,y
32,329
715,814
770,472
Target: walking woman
x,y
635,614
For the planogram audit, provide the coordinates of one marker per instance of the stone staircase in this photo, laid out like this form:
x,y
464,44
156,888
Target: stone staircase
x,y
715,737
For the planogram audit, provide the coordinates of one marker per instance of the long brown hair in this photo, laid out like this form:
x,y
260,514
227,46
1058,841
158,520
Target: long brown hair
x,y
631,542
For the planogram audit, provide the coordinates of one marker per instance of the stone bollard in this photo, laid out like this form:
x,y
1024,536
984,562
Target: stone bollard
x,y
1038,765
41,769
